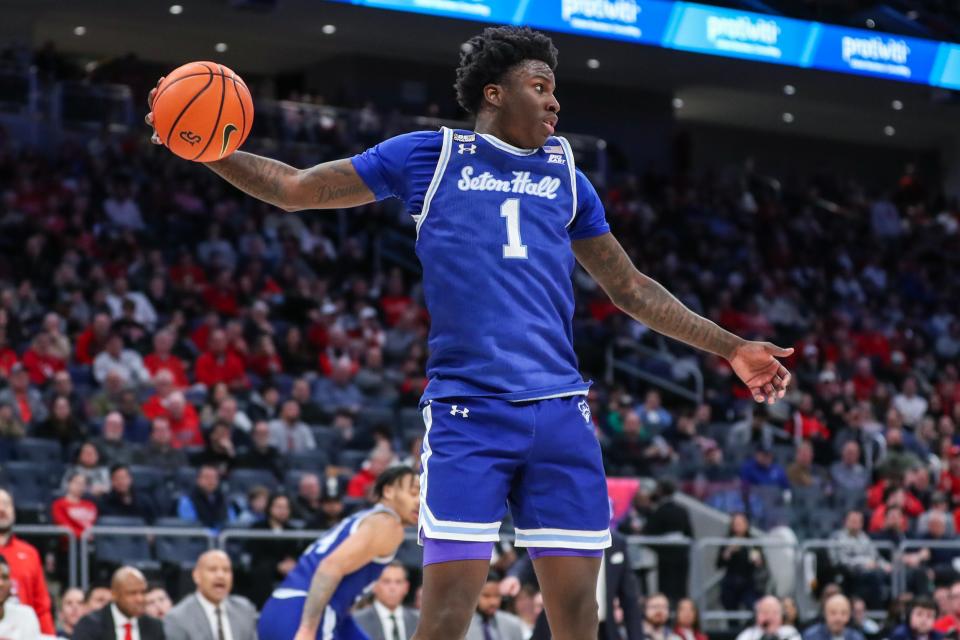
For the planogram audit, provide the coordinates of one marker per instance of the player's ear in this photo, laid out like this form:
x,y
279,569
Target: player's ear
x,y
493,93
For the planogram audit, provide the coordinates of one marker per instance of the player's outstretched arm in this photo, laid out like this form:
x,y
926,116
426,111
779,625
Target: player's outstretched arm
x,y
644,299
331,185
377,536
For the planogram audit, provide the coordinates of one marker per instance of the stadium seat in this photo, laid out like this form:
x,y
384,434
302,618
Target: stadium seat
x,y
353,459
185,479
179,550
316,460
376,416
120,521
242,480
410,420
410,554
39,450
327,438
845,499
147,479
124,549
32,482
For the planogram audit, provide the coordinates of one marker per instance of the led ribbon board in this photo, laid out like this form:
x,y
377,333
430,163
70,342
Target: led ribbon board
x,y
715,31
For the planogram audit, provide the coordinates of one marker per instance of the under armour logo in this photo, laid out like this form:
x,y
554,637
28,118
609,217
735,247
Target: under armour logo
x,y
584,410
467,148
454,411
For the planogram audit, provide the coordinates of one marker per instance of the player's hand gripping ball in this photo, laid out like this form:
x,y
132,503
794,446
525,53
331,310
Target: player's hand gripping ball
x,y
201,111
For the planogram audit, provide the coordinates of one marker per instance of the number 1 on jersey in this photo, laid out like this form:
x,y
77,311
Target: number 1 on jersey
x,y
510,209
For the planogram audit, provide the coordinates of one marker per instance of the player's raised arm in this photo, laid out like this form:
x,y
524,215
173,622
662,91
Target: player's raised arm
x,y
645,299
377,536
331,185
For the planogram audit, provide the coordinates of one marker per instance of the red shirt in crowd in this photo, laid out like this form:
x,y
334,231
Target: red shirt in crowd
x,y
265,365
227,368
171,363
8,358
863,386
29,584
810,426
153,407
222,301
360,483
393,307
186,430
950,484
41,367
946,624
880,514
88,346
77,516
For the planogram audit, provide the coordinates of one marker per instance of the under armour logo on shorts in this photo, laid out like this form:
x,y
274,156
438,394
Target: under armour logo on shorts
x,y
454,411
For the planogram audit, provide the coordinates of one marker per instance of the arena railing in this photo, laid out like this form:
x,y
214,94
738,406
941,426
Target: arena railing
x,y
808,605
915,545
53,531
640,544
701,588
151,533
682,370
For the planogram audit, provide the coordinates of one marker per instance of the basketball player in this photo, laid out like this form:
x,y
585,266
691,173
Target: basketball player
x,y
501,214
314,600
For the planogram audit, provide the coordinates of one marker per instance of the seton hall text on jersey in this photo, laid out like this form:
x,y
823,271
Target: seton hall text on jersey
x,y
521,183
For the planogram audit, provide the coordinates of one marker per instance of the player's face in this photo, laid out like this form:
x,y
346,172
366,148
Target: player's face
x,y
405,496
528,108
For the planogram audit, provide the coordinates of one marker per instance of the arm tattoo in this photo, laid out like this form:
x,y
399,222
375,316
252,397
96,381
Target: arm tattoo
x,y
644,299
330,185
322,588
257,176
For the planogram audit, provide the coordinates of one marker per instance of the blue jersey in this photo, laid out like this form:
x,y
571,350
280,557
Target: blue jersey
x,y
494,225
352,586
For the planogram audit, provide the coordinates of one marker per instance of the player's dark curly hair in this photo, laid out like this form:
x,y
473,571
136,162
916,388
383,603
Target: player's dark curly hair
x,y
486,57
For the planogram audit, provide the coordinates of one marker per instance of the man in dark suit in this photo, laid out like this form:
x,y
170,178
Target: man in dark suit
x,y
387,618
619,582
673,562
124,618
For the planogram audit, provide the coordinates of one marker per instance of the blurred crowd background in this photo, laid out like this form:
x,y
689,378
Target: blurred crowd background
x,y
176,355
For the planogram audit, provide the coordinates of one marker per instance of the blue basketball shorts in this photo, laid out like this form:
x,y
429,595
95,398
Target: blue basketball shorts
x,y
280,619
541,458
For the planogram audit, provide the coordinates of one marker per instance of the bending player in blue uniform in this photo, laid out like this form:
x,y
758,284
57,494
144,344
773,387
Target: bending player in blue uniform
x,y
314,601
502,216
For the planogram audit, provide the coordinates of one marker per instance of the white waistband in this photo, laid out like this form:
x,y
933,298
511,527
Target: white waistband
x,y
283,594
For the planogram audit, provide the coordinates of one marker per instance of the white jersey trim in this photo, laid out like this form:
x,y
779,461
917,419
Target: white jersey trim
x,y
573,175
506,146
437,177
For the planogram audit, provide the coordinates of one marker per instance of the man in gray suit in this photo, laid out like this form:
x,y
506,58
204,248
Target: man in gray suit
x,y
489,623
211,613
388,619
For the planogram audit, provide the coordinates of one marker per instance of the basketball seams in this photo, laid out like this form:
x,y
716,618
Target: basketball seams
x,y
216,123
243,111
173,127
173,82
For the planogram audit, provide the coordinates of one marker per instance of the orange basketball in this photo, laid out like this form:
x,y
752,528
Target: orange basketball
x,y
202,111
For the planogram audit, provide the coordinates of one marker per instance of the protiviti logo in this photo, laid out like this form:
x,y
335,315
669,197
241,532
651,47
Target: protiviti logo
x,y
618,17
889,56
743,34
